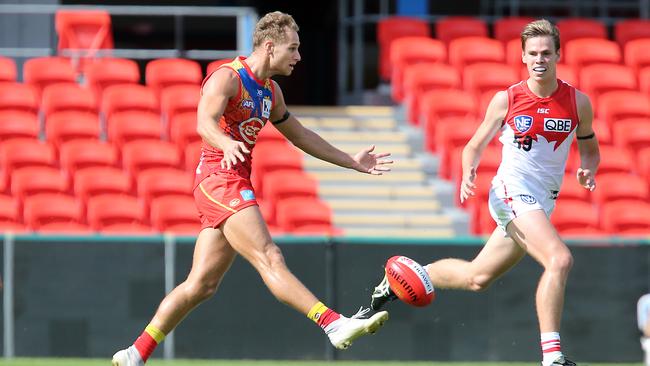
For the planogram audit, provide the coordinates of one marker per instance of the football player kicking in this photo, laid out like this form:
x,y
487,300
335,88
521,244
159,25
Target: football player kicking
x,y
237,100
538,119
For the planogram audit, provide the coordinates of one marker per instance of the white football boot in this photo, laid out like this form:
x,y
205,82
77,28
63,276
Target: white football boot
x,y
127,357
343,331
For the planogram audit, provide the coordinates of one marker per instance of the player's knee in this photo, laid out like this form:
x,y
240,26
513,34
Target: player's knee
x,y
270,258
562,261
202,290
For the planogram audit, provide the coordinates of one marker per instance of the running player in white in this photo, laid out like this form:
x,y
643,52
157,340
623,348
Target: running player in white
x,y
538,119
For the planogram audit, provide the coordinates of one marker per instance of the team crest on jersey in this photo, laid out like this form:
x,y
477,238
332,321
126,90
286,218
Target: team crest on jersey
x,y
250,128
247,103
523,123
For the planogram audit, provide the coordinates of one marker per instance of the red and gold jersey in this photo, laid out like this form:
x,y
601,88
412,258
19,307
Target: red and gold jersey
x,y
244,116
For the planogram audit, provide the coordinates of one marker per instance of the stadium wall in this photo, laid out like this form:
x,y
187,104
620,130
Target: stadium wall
x,y
88,296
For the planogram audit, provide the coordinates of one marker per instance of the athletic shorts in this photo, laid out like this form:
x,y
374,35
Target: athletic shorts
x,y
220,195
508,200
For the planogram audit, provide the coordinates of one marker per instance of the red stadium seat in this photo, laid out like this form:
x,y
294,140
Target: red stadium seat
x,y
67,97
392,28
481,77
43,71
183,129
486,224
7,69
269,133
95,181
513,53
82,154
490,161
176,215
437,104
10,218
129,97
408,51
572,190
636,53
615,160
297,212
570,215
117,214
87,30
622,217
644,80
566,73
104,72
643,163
421,78
630,29
618,105
124,127
273,156
54,210
138,156
179,99
20,153
575,28
156,183
453,27
283,184
18,97
508,28
192,155
586,51
450,133
39,179
620,186
214,65
632,133
18,124
61,127
469,50
597,79
162,73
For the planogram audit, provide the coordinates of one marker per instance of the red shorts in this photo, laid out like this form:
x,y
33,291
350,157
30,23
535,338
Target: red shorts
x,y
220,195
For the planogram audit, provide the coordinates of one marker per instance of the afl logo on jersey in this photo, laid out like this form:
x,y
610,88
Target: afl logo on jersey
x,y
247,103
523,123
250,128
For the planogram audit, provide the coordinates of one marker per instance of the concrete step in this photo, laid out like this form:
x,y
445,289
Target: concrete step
x,y
401,164
390,178
406,233
352,111
354,206
345,136
331,191
346,123
393,221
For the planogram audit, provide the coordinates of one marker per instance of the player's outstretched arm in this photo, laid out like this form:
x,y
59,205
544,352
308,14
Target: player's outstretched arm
x,y
216,92
494,116
587,143
365,161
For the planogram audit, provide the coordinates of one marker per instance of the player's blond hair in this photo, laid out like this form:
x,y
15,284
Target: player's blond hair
x,y
273,26
539,28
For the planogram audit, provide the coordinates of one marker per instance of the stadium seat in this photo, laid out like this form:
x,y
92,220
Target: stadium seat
x,y
18,124
104,72
214,65
40,72
408,51
175,215
183,129
67,97
59,212
490,161
437,104
8,70
632,133
179,99
572,190
449,133
420,78
603,131
621,217
304,212
392,28
124,127
269,133
20,153
508,28
82,154
615,160
95,181
614,106
469,50
155,183
636,55
644,80
485,225
85,30
620,186
61,127
513,53
10,218
454,27
18,97
481,77
597,79
128,97
570,215
192,155
283,184
29,181
138,156
575,28
630,29
566,73
165,72
117,214
643,163
273,156
586,51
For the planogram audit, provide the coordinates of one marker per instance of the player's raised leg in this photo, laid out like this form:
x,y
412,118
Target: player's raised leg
x,y
536,234
212,258
248,234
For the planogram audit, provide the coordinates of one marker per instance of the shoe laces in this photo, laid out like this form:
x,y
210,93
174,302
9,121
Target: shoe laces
x,y
361,313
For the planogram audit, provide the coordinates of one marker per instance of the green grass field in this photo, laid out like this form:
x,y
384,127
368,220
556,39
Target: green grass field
x,y
106,362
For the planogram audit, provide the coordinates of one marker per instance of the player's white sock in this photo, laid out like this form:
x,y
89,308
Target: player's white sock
x,y
645,344
551,348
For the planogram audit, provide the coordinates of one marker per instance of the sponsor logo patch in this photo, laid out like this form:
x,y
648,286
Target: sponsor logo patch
x,y
557,125
266,108
247,195
523,123
234,202
528,199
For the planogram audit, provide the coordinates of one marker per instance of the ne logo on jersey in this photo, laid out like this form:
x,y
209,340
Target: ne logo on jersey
x,y
523,123
557,125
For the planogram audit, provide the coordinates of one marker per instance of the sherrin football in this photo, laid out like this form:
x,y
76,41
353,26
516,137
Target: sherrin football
x,y
409,281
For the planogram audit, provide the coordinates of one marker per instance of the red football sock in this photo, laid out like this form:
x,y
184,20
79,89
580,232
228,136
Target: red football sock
x,y
147,341
322,315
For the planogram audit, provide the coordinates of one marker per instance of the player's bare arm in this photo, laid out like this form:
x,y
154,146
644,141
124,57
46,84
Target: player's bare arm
x,y
218,89
310,142
587,143
491,124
